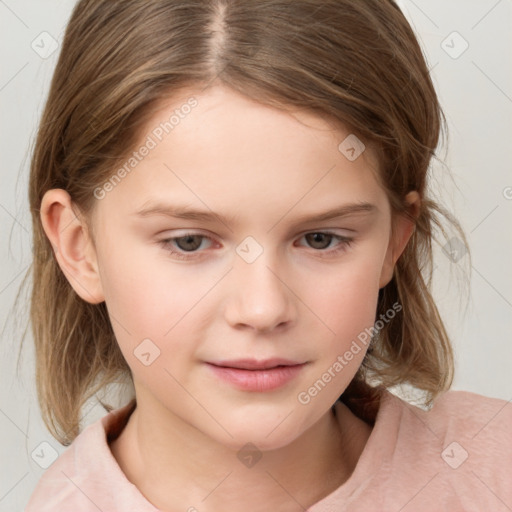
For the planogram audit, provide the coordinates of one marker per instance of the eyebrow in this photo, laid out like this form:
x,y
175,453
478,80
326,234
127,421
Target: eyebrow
x,y
188,213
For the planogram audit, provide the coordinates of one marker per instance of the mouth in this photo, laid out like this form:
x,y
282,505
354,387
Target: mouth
x,y
256,376
254,364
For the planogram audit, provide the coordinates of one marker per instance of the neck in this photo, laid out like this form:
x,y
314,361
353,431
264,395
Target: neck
x,y
177,467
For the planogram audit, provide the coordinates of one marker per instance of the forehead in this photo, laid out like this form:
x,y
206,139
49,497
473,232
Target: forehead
x,y
220,148
213,114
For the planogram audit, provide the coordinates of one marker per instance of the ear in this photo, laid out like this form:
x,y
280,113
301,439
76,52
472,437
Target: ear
x,y
74,249
403,229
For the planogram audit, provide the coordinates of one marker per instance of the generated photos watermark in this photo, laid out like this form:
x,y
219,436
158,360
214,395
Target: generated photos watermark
x,y
152,140
362,341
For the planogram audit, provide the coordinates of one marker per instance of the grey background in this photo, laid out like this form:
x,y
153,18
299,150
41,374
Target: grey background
x,y
475,89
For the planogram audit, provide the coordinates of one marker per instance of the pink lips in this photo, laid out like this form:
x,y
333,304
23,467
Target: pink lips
x,y
253,375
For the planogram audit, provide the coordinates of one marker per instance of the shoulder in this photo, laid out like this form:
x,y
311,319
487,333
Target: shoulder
x,y
471,410
459,421
462,447
61,484
86,477
456,456
462,413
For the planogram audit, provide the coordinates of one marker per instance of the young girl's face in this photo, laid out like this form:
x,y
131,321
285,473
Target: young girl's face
x,y
244,277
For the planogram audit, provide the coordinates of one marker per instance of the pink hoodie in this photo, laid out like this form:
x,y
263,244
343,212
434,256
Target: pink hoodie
x,y
455,457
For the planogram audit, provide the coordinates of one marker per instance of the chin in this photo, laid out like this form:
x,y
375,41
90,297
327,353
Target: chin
x,y
269,432
258,440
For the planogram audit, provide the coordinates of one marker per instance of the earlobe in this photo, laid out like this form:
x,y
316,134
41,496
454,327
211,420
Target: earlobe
x,y
72,245
404,228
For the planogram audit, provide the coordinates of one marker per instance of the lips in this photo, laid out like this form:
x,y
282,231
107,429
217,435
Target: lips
x,y
256,376
254,364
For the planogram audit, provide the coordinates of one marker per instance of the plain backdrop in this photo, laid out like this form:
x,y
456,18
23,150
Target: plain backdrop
x,y
468,45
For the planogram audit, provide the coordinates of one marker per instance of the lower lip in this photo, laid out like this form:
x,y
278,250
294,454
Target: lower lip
x,y
257,380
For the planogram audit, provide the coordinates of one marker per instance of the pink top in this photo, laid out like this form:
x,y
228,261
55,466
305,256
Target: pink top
x,y
455,457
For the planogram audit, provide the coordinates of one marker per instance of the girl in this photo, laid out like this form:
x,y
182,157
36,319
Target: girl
x,y
230,210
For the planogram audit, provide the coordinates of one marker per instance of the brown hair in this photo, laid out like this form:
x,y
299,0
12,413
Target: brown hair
x,y
356,62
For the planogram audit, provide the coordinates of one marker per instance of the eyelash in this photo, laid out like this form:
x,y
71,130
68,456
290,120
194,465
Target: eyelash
x,y
344,244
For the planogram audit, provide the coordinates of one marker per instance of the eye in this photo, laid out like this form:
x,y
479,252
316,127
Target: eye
x,y
188,243
321,241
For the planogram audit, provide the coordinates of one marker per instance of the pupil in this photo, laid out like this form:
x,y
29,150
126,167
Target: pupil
x,y
189,240
316,238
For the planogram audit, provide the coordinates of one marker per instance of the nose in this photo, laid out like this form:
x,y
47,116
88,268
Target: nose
x,y
259,296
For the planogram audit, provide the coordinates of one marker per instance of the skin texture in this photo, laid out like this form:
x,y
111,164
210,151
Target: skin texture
x,y
299,299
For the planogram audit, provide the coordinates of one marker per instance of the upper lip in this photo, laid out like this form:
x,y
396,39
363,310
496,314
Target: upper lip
x,y
254,364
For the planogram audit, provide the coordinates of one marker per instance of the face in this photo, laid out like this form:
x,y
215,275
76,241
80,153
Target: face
x,y
220,244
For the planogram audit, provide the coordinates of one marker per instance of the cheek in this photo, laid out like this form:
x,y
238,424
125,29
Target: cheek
x,y
134,294
156,300
142,289
142,299
347,302
345,298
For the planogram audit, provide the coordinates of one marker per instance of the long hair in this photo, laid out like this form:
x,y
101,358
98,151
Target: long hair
x,y
357,62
